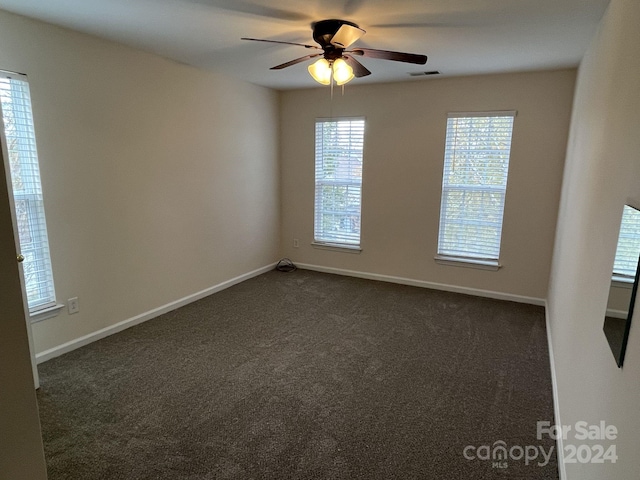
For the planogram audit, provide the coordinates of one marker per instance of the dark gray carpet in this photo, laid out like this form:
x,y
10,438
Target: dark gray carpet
x,y
304,375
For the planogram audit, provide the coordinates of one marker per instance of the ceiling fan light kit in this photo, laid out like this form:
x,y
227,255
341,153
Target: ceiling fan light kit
x,y
338,64
323,70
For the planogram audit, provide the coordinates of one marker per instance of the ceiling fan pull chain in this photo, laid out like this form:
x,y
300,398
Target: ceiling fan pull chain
x,y
332,83
331,106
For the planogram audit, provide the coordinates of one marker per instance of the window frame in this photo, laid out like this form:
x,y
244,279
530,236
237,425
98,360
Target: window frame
x,y
479,261
32,196
320,239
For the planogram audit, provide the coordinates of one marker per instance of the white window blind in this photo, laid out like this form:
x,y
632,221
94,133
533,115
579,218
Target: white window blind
x,y
17,118
338,184
476,164
628,250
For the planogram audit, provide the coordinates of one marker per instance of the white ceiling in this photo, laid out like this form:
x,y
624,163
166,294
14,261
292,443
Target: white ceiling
x,y
460,37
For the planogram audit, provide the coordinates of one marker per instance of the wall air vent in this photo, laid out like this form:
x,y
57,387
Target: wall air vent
x,y
424,74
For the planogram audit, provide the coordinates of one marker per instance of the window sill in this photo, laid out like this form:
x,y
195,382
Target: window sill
x,y
492,265
44,314
622,282
337,247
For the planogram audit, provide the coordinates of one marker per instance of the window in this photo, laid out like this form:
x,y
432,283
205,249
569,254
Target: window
x,y
339,147
628,250
22,159
476,164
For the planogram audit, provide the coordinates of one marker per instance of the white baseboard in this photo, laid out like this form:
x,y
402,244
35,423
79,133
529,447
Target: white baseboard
x,y
556,401
118,327
421,283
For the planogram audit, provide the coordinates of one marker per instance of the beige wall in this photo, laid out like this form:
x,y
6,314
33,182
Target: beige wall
x,y
21,454
402,176
160,180
602,174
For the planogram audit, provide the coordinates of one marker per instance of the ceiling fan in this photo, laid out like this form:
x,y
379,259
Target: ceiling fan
x,y
338,63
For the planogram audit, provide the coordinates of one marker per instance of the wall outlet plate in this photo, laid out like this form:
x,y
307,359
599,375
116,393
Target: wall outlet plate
x,y
73,306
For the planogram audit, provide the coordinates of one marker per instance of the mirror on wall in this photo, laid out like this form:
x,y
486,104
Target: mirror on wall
x,y
624,284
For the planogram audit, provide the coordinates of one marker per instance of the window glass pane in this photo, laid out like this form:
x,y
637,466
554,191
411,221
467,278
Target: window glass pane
x,y
476,164
17,118
338,180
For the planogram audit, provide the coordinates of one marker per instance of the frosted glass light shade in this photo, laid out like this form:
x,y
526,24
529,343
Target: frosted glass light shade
x,y
342,72
321,71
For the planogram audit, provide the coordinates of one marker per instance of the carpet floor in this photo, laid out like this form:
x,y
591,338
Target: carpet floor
x,y
306,375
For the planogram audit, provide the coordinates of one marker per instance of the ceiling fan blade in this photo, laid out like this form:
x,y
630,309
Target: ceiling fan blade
x,y
351,6
346,35
389,55
359,70
249,7
283,43
414,25
297,60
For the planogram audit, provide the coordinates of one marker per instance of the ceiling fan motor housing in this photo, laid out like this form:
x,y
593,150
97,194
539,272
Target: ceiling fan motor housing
x,y
323,32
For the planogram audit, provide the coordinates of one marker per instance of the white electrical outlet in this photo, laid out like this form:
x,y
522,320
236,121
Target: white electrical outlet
x,y
73,306
295,243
